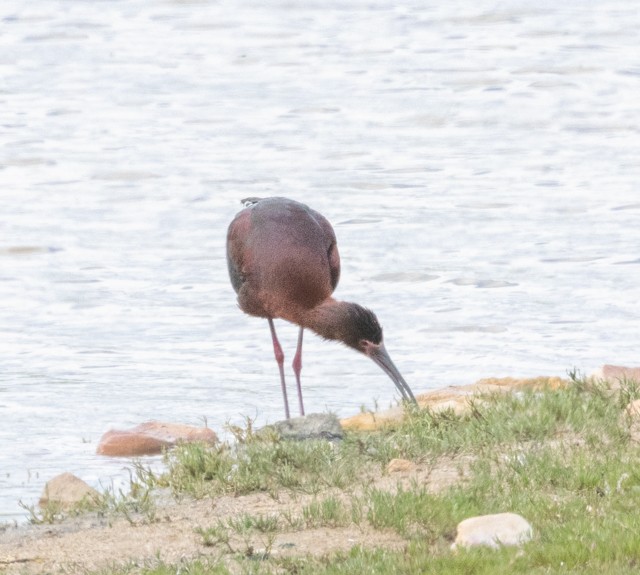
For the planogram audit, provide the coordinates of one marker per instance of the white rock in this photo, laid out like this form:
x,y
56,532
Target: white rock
x,y
493,531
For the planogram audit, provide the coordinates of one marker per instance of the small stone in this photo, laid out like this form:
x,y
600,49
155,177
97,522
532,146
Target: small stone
x,y
400,465
67,490
312,426
151,438
493,531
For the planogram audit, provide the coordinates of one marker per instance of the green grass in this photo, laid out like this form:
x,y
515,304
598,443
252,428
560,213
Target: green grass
x,y
327,512
267,465
566,460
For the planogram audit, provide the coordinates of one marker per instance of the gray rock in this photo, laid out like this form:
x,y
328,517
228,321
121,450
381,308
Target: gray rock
x,y
312,426
493,531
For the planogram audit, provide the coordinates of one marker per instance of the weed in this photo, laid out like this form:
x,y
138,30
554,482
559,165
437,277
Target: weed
x,y
328,512
49,513
227,535
217,535
261,523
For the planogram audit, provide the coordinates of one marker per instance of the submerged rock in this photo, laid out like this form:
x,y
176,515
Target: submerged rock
x,y
493,531
67,490
151,438
312,426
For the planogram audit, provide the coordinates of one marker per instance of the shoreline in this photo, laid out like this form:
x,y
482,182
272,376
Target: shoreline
x,y
175,528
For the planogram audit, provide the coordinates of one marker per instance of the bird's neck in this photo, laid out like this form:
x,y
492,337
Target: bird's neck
x,y
331,320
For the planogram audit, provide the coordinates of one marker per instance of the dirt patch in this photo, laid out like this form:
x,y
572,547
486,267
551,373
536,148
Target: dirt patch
x,y
87,543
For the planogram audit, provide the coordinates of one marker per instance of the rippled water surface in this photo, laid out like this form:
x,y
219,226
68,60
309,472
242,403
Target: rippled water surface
x,y
479,161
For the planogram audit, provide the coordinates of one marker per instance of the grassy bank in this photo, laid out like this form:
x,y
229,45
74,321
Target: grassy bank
x,y
567,460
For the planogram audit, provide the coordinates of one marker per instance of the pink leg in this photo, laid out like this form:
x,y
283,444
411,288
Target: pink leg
x,y
297,368
277,350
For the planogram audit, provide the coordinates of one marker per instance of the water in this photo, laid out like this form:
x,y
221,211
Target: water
x,y
479,161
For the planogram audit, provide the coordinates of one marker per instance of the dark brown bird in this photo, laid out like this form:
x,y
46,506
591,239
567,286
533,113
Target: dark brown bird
x,y
283,262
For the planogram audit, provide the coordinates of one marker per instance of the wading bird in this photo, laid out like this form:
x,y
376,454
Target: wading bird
x,y
283,262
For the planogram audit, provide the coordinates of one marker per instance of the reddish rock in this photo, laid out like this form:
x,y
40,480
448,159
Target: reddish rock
x,y
617,373
151,438
67,490
130,443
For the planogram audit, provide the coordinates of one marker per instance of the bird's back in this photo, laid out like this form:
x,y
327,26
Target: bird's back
x,y
282,258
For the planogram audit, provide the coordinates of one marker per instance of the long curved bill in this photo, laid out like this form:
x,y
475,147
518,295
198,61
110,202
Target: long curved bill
x,y
379,354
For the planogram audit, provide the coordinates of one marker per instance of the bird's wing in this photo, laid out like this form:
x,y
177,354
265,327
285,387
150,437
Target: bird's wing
x,y
236,235
332,248
334,264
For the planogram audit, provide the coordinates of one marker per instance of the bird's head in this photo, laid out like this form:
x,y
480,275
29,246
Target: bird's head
x,y
365,335
363,331
358,328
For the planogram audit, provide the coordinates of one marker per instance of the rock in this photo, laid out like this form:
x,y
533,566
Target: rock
x,y
616,374
400,465
151,438
312,426
369,421
633,409
521,383
493,531
67,490
116,443
457,399
632,414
